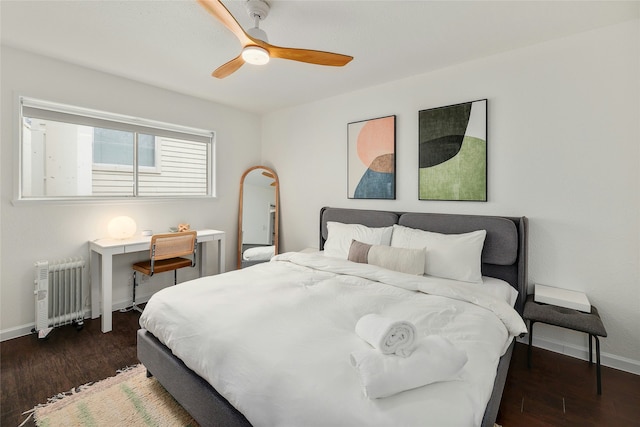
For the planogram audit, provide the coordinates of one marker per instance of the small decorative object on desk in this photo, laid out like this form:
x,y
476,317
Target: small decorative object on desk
x,y
183,227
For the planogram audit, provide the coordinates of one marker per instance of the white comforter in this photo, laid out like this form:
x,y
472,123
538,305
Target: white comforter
x,y
275,340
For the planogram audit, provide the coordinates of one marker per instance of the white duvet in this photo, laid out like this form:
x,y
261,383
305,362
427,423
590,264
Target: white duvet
x,y
274,339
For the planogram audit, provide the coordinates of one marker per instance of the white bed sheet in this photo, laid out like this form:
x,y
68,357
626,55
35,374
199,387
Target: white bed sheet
x,y
274,339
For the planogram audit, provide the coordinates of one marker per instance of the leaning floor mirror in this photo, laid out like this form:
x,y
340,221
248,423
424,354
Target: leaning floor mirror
x,y
258,216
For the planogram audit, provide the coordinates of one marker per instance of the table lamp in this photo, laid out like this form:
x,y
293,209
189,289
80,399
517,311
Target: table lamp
x,y
121,227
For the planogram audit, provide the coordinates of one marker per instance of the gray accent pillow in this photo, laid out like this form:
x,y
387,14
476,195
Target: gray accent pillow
x,y
409,261
359,252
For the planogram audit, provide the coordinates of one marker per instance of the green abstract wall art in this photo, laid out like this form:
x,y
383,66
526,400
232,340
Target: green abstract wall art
x,y
453,152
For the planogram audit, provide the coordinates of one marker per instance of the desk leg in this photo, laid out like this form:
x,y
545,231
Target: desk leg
x,y
531,322
95,266
202,259
221,249
106,294
598,373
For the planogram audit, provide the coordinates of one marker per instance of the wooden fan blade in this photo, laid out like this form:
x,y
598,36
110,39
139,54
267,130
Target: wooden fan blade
x,y
267,174
228,68
217,9
310,56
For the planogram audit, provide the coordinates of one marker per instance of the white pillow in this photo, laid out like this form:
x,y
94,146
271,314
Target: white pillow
x,y
340,235
452,256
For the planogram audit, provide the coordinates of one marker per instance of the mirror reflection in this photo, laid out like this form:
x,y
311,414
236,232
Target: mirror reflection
x,y
258,216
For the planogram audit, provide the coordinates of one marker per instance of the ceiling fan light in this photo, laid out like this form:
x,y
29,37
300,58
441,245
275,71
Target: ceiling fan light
x,y
255,55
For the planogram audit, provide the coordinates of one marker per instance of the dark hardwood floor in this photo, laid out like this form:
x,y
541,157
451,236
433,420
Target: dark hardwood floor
x,y
561,391
32,370
557,391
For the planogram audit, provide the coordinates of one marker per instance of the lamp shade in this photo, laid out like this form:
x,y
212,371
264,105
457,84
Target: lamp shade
x,y
121,227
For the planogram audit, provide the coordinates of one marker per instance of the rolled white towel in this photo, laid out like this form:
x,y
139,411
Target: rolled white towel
x,y
387,335
435,359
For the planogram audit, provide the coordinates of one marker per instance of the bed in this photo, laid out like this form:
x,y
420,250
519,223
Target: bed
x,y
332,395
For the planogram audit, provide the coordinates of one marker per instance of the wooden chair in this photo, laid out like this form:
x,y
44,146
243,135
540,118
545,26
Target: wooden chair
x,y
167,254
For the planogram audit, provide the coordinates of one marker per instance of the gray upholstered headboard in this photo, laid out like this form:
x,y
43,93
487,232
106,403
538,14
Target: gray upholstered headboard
x,y
505,248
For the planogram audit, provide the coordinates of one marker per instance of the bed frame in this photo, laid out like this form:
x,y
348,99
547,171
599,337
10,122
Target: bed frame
x,y
504,256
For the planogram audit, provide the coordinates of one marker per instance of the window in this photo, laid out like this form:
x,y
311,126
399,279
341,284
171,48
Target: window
x,y
69,152
115,147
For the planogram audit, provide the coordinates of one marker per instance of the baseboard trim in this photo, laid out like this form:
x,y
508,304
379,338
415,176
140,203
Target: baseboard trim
x,y
606,359
16,332
23,330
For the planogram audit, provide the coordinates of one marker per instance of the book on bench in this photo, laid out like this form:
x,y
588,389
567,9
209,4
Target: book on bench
x,y
561,297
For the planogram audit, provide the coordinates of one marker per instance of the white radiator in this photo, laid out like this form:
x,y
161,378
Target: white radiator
x,y
58,294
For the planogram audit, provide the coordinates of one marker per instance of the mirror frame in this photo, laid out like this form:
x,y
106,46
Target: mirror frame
x,y
276,225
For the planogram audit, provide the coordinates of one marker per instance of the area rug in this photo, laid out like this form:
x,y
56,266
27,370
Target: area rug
x,y
127,399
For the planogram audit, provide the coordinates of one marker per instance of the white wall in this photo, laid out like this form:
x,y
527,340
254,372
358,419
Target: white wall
x,y
34,231
563,142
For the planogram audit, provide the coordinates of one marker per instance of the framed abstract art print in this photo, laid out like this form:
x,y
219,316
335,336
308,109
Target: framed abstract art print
x,y
371,164
452,150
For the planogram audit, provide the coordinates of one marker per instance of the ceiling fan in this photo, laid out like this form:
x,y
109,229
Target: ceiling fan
x,y
255,46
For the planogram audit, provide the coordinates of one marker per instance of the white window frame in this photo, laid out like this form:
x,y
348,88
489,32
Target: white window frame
x,y
52,110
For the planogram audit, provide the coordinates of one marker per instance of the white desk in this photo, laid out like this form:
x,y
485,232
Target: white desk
x,y
102,252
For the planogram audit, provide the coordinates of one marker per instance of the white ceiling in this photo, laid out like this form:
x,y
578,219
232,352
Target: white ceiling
x,y
177,44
